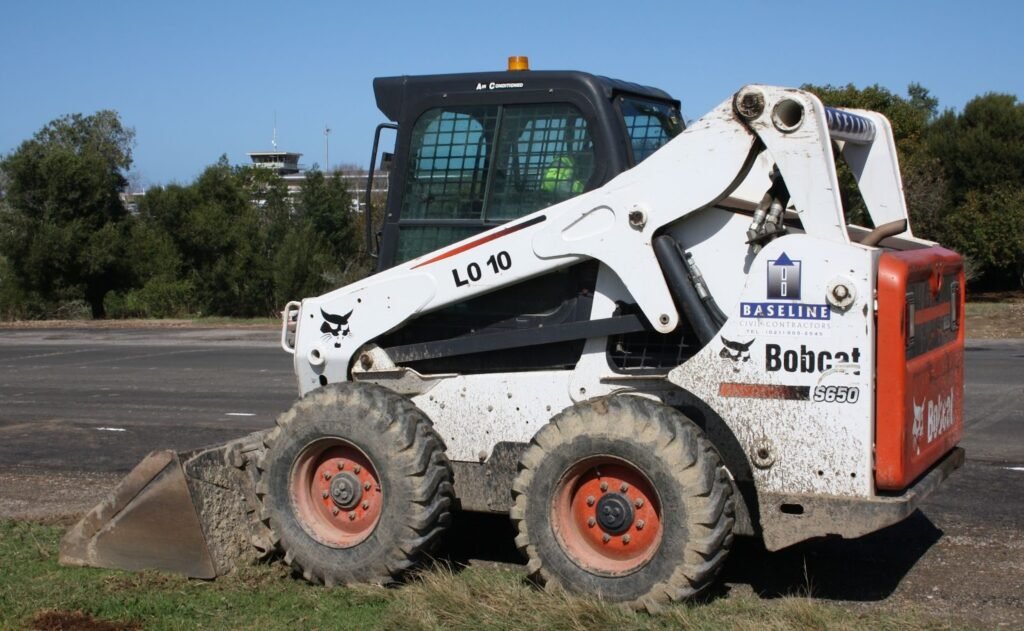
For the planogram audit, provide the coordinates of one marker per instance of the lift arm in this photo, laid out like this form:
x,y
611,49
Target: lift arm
x,y
615,224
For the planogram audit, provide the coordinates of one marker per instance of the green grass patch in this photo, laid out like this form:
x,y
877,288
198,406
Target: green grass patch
x,y
35,592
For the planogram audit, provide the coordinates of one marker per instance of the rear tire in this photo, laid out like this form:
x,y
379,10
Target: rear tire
x,y
356,486
623,498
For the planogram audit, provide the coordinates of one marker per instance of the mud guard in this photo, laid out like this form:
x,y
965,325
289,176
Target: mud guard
x,y
193,513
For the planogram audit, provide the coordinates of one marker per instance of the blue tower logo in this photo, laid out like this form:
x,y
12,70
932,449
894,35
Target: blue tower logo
x,y
783,279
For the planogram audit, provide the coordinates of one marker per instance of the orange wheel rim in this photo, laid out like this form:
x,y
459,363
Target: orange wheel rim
x,y
606,516
336,492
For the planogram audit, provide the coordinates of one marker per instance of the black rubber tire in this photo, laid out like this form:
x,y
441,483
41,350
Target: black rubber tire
x,y
410,461
682,466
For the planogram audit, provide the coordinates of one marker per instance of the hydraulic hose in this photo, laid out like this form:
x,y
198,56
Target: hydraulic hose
x,y
682,289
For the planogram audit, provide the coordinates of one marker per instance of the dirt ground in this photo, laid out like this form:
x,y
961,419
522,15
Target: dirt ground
x,y
996,316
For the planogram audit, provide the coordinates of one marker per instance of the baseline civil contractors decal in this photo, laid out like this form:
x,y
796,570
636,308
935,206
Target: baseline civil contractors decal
x,y
783,286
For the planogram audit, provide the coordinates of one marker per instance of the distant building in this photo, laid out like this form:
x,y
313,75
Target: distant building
x,y
283,162
286,164
130,200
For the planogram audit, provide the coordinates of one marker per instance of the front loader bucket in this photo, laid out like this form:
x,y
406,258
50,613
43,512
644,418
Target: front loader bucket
x,y
192,513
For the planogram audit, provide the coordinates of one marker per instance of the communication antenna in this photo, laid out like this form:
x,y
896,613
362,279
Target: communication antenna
x,y
327,163
273,140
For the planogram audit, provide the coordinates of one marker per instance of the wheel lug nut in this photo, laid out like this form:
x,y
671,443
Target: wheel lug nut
x,y
591,522
640,525
590,500
366,486
366,505
351,514
604,486
626,538
639,502
327,475
326,494
357,469
606,538
335,511
341,465
624,487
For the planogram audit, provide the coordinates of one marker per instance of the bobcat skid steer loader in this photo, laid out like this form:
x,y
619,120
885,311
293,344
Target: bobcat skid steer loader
x,y
635,339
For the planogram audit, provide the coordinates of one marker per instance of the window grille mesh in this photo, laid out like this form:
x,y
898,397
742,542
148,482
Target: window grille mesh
x,y
650,125
485,165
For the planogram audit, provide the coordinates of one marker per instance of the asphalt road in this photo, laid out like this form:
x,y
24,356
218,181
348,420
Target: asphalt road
x,y
100,400
78,408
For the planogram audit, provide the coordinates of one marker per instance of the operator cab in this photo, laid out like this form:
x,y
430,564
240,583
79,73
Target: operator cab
x,y
475,150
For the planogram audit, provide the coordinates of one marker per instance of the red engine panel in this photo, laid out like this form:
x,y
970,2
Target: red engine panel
x,y
920,375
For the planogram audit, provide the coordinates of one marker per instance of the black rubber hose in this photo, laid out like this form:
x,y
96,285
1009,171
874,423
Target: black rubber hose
x,y
697,279
682,289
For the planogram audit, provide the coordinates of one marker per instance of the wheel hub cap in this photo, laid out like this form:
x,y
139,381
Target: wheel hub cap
x,y
614,513
336,492
345,490
606,516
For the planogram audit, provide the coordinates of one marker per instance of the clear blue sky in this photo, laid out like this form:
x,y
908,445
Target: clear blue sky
x,y
199,79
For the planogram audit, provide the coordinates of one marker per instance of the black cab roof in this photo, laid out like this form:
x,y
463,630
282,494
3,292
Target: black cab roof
x,y
393,92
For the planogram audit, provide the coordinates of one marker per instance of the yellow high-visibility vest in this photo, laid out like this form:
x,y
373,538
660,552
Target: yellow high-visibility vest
x,y
558,178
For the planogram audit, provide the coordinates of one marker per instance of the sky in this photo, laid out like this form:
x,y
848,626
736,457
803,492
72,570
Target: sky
x,y
200,79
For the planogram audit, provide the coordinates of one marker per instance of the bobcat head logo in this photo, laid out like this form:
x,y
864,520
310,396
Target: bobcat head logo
x,y
735,351
335,326
917,429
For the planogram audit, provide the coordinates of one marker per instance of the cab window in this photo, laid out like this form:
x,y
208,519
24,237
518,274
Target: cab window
x,y
545,155
472,168
650,124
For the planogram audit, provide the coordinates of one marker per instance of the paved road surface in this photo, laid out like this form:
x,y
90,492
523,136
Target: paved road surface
x,y
101,400
80,407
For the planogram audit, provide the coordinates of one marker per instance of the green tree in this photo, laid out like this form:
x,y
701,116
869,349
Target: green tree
x,y
981,154
981,148
63,228
304,265
221,246
326,204
227,230
988,228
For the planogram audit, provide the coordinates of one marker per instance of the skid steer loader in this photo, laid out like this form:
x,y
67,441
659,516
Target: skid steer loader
x,y
637,340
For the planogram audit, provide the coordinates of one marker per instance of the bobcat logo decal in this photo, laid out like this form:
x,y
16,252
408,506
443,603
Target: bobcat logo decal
x,y
917,429
335,326
736,351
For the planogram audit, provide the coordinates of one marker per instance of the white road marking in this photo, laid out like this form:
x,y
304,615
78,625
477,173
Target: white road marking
x,y
111,429
238,414
1014,468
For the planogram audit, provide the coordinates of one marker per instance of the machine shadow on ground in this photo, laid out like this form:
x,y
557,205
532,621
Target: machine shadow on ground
x,y
865,569
868,568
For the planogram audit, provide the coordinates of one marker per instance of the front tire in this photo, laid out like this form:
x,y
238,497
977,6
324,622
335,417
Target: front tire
x,y
356,486
623,498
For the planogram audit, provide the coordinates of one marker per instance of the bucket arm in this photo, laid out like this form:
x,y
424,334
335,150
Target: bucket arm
x,y
615,224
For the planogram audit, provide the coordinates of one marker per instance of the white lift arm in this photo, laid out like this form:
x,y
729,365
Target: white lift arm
x,y
616,223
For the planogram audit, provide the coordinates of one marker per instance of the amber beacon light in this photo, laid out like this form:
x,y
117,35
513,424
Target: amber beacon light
x,y
518,62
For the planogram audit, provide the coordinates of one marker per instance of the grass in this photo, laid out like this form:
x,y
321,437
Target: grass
x,y
37,593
